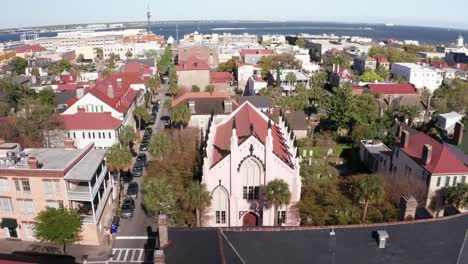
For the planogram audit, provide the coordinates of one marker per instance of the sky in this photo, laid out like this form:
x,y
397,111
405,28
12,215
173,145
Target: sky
x,y
26,13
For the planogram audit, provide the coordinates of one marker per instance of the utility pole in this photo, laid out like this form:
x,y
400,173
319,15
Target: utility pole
x,y
148,15
177,33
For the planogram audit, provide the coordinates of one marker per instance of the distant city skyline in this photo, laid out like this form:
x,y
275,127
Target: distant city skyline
x,y
28,13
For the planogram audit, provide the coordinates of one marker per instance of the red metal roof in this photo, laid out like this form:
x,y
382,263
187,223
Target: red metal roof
x,y
139,68
443,160
193,64
220,77
30,48
256,51
69,78
246,115
90,121
68,87
392,88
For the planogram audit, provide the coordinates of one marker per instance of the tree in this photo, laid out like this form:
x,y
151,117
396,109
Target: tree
x,y
228,66
160,145
277,194
46,96
119,157
195,89
19,64
210,88
341,59
408,113
4,109
181,115
197,199
426,97
80,58
370,76
168,103
291,79
59,226
142,114
383,72
153,83
129,54
173,78
458,195
166,60
301,43
173,89
35,72
319,79
340,107
278,77
369,188
127,135
159,196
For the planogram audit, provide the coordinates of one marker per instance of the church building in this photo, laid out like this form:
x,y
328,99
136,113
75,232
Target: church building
x,y
242,154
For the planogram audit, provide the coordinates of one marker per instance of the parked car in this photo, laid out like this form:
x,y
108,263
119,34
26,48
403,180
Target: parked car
x,y
151,120
142,158
132,191
137,170
149,130
127,176
165,118
144,146
128,206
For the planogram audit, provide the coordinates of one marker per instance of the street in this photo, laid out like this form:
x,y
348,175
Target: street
x,y
135,240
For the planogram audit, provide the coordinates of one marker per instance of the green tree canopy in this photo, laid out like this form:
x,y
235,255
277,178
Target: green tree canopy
x,y
197,199
368,189
128,54
210,88
370,76
46,96
458,195
383,72
166,60
142,114
301,43
127,135
19,64
60,226
159,196
118,157
341,59
394,54
228,66
277,193
153,83
181,114
160,145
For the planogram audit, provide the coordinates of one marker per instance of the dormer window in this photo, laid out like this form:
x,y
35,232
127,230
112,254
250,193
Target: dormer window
x,y
195,64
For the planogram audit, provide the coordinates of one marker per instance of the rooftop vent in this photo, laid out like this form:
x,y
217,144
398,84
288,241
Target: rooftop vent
x,y
382,237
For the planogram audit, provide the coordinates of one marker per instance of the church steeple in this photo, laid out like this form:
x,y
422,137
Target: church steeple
x,y
460,41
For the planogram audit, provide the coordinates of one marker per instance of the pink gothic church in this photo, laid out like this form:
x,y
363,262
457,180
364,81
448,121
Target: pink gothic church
x,y
243,153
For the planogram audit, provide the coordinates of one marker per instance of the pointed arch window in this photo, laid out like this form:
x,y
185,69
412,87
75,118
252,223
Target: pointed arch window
x,y
251,174
220,201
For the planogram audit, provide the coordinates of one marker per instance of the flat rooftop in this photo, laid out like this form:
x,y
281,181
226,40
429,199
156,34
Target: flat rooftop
x,y
84,170
55,158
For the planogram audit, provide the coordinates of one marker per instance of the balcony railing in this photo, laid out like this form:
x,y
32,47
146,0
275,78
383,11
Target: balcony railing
x,y
80,193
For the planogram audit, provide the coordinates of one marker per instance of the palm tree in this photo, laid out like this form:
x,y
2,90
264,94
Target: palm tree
x,y
458,195
160,145
210,88
277,194
153,84
291,79
369,188
197,199
118,157
181,115
141,113
127,135
129,54
159,196
408,112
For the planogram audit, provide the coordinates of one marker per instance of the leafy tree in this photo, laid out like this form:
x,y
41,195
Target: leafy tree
x,y
458,195
411,48
173,78
394,54
408,112
195,89
151,54
128,54
168,103
166,60
291,79
278,77
60,226
277,194
228,66
127,135
153,83
173,89
209,88
118,157
46,96
80,58
362,131
4,109
451,97
426,97
160,145
142,114
319,79
301,43
181,115
341,59
35,72
368,189
340,107
60,67
159,196
383,72
197,199
283,61
370,76
19,64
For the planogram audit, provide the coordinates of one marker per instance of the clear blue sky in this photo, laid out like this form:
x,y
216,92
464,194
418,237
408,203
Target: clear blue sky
x,y
448,13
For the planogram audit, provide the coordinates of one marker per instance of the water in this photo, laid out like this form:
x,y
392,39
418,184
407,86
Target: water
x,y
376,31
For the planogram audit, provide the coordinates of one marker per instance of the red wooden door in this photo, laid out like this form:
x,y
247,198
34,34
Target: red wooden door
x,y
250,219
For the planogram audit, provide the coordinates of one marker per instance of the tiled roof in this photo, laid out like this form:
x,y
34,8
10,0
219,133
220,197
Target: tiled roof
x,y
90,121
68,87
443,160
220,77
245,116
193,64
392,88
194,95
69,78
30,48
137,67
256,51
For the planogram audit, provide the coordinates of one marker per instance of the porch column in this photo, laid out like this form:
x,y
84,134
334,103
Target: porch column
x,y
92,201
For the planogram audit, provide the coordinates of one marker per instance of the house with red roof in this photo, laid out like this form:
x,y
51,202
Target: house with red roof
x,y
243,153
382,61
221,81
341,75
28,50
140,68
112,94
253,56
193,71
100,128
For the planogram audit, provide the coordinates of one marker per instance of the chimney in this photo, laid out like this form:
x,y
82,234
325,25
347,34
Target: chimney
x,y
227,106
68,143
338,68
79,92
408,206
110,91
192,106
162,231
33,163
400,131
405,138
382,237
427,154
458,133
159,257
334,68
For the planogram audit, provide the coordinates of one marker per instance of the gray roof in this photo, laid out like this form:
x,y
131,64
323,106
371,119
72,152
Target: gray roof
x,y
149,62
54,158
422,242
84,170
63,97
206,106
257,100
21,79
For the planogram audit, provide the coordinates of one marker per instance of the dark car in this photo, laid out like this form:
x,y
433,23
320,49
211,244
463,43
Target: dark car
x,y
144,146
142,158
165,118
132,191
128,206
127,176
137,170
151,120
149,130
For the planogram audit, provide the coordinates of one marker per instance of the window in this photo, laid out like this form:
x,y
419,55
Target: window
x,y
29,229
397,152
454,183
281,217
99,135
447,181
438,181
251,173
110,136
463,179
52,187
220,204
89,134
26,186
17,185
103,134
220,217
84,135
5,205
74,135
54,204
4,188
26,206
94,136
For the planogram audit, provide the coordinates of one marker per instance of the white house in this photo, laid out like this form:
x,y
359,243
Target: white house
x,y
245,72
420,76
243,154
286,86
447,121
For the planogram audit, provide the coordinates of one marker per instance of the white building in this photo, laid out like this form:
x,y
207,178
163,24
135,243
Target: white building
x,y
287,86
447,121
244,153
274,39
245,72
418,75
